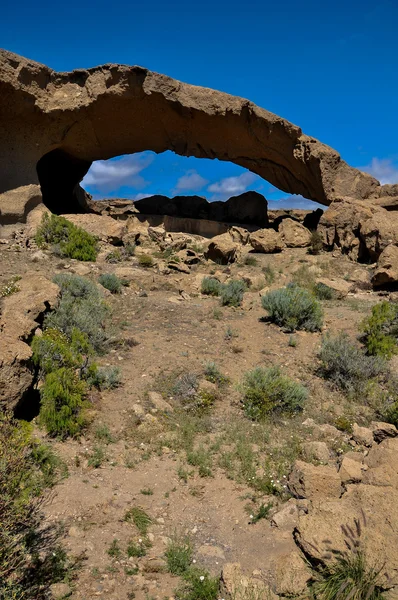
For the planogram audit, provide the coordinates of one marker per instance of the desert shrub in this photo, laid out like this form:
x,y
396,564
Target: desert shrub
x,y
30,558
63,399
111,282
316,243
232,292
213,374
81,307
72,241
114,257
54,349
347,365
10,287
323,291
269,274
145,260
304,277
250,260
293,307
140,518
198,585
186,386
349,574
211,286
104,378
380,330
267,391
179,554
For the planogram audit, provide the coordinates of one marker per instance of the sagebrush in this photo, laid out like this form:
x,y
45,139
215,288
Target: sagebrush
x,y
293,307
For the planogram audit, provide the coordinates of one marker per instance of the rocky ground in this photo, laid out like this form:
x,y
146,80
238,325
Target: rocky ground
x,y
207,476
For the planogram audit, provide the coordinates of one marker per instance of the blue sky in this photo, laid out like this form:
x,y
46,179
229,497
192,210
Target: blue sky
x,y
330,67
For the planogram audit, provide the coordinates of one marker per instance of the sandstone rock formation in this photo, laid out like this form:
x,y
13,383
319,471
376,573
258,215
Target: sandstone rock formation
x,y
53,125
294,234
266,241
20,316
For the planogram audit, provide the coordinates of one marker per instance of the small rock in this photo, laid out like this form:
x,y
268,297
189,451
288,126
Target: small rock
x,y
159,402
381,431
286,518
362,435
350,471
316,451
212,551
39,256
60,590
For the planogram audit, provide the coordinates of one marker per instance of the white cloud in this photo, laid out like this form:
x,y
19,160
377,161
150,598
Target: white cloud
x,y
191,182
108,175
231,186
383,169
141,196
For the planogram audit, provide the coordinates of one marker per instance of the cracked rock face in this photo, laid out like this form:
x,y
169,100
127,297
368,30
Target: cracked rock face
x,y
53,125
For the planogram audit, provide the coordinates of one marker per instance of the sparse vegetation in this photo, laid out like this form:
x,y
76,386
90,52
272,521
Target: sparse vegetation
x,y
210,286
250,260
213,374
232,293
146,261
323,292
67,239
198,585
140,518
269,274
380,330
111,282
11,287
267,391
293,307
179,554
104,378
316,243
346,365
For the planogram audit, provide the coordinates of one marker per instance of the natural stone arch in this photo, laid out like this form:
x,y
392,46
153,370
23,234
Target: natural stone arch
x,y
110,110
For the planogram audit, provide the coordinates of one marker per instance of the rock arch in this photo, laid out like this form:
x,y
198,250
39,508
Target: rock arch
x,y
53,125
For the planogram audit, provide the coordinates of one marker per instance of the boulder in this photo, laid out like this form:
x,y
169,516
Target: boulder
x,y
103,227
266,241
339,287
22,312
362,435
314,482
16,204
249,207
387,268
316,451
290,574
379,231
381,430
294,234
239,235
222,249
350,470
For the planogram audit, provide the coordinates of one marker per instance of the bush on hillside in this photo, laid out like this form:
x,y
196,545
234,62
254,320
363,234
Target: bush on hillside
x,y
63,398
232,292
293,307
54,349
211,286
347,365
380,330
111,282
267,391
72,241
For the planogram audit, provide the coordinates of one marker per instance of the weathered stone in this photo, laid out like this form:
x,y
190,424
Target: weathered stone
x,y
387,267
60,591
20,315
222,249
339,287
290,574
381,430
180,267
266,241
362,435
287,517
239,235
15,205
316,451
382,463
189,257
294,234
350,471
314,482
115,109
159,402
157,234
238,586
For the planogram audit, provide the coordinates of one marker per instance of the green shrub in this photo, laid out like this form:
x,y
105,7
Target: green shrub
x,y
293,307
54,349
250,260
381,330
81,307
347,365
211,286
323,291
267,391
140,518
146,261
104,378
213,374
97,458
63,399
232,293
111,282
72,241
30,557
198,585
179,554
